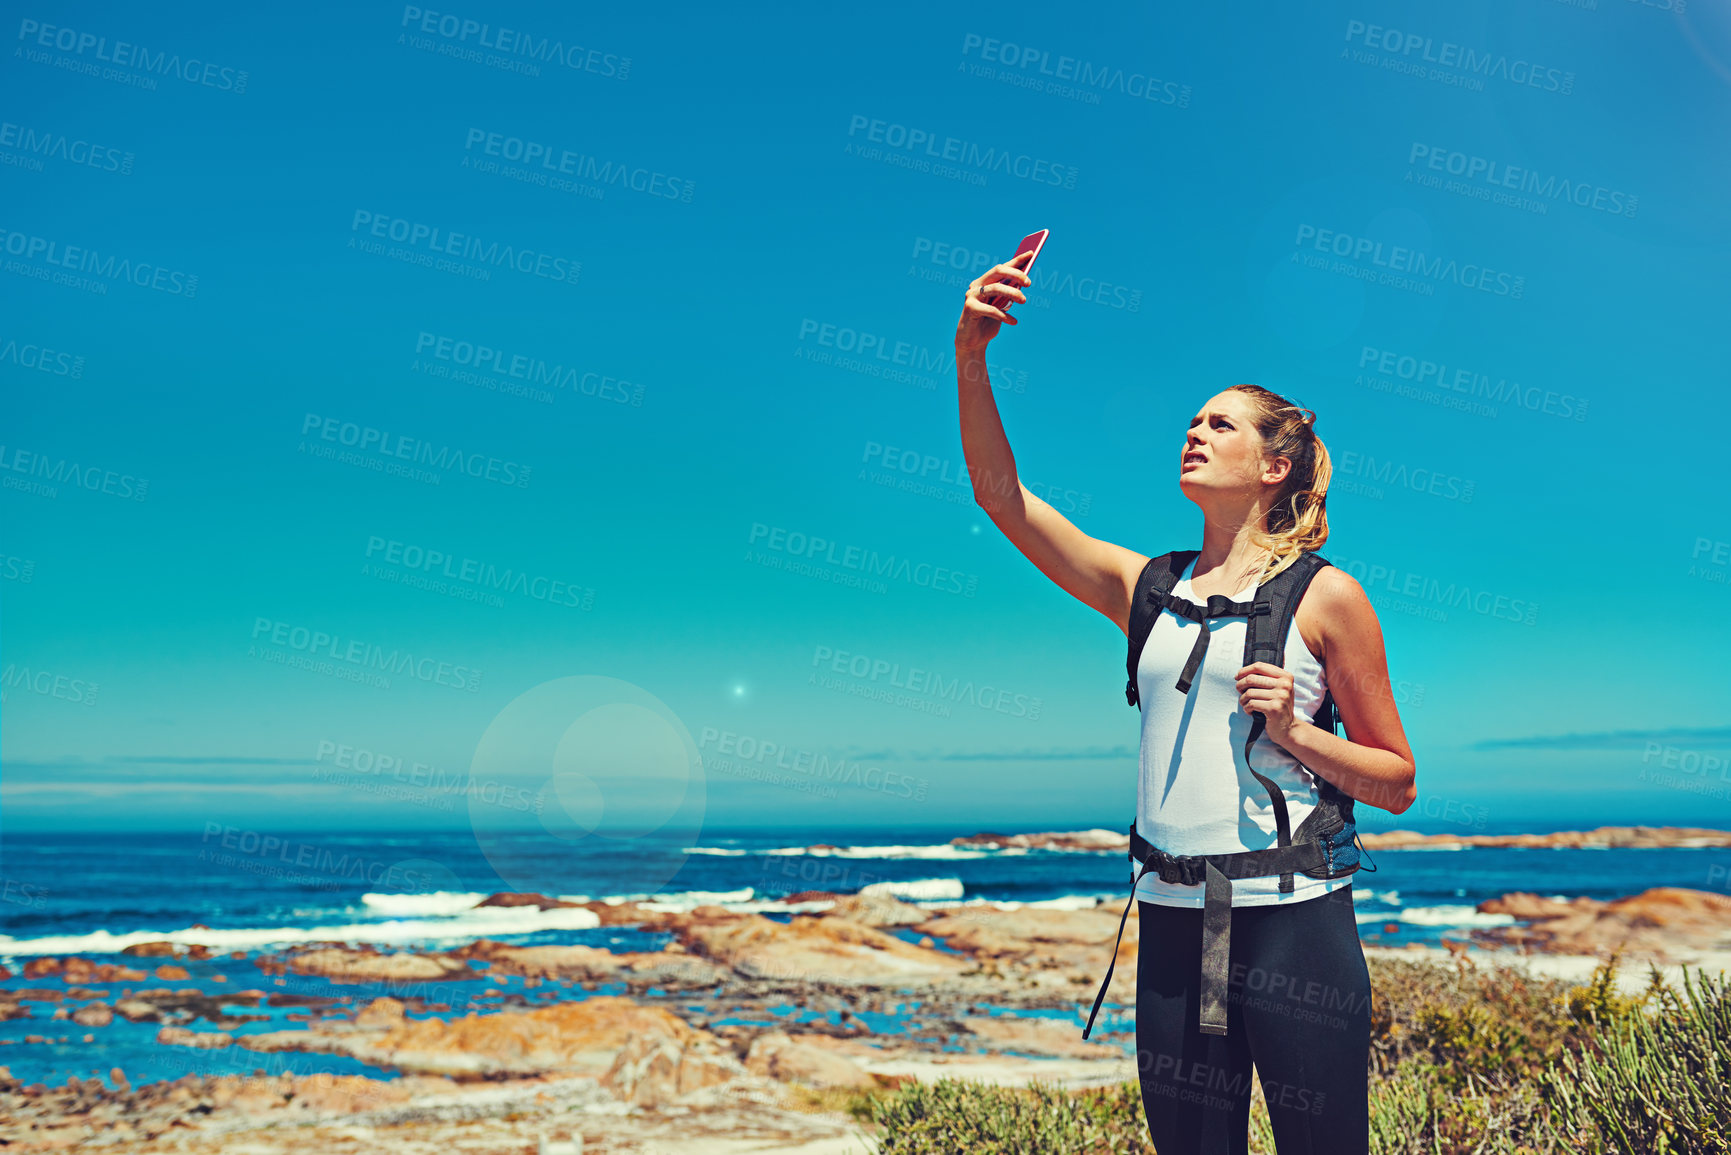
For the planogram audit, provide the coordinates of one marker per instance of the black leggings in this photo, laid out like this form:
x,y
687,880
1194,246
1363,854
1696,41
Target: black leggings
x,y
1298,1009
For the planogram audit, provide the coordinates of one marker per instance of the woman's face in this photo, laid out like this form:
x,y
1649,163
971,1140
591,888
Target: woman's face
x,y
1222,450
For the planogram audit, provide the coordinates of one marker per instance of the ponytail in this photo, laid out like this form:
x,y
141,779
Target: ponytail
x,y
1297,522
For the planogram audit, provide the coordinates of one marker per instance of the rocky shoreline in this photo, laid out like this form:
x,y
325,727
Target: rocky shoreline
x,y
1601,838
739,1033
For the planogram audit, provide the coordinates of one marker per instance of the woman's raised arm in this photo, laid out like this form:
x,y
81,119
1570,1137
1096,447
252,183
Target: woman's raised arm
x,y
1096,573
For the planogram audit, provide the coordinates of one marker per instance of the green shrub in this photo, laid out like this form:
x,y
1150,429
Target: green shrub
x,y
1464,1062
1651,1084
1502,1024
951,1115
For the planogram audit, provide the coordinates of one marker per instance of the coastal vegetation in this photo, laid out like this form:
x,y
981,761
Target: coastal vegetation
x,y
1465,1061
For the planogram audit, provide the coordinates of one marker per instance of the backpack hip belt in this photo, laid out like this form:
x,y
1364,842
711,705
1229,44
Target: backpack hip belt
x,y
1268,617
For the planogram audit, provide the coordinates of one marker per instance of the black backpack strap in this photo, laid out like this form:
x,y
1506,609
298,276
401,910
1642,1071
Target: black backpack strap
x,y
1276,603
1327,713
1155,583
1143,867
1265,641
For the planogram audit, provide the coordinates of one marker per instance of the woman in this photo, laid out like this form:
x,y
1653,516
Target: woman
x,y
1298,993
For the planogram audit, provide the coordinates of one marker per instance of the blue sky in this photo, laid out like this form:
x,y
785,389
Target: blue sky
x,y
568,366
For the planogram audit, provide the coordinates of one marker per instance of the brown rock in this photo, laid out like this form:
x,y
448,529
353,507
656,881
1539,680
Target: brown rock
x,y
385,1012
149,949
1523,905
342,965
989,932
1606,836
93,1015
652,1069
82,971
1084,840
877,910
507,898
137,1011
181,1037
348,1094
575,1037
810,948
590,964
256,1096
778,1056
1603,836
623,914
1036,1036
1063,951
1658,924
171,972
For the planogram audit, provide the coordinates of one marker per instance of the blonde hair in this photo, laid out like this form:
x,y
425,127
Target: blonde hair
x,y
1297,522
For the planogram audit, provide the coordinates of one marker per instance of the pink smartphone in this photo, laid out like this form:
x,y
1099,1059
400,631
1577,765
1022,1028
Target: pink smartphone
x,y
1032,243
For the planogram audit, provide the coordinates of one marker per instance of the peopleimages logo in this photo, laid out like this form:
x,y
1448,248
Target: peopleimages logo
x,y
556,161
1402,260
1372,472
58,146
60,471
314,642
739,751
109,267
1442,596
470,571
366,440
48,684
1423,372
460,31
953,150
1497,176
809,548
433,239
42,359
1416,47
917,680
1082,73
484,358
125,55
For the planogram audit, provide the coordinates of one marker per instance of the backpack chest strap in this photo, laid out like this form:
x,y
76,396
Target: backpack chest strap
x,y
1218,606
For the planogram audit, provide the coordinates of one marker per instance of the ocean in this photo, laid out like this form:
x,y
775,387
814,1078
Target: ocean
x,y
253,892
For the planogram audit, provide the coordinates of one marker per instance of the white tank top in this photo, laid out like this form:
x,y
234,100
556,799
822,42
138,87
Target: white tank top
x,y
1194,794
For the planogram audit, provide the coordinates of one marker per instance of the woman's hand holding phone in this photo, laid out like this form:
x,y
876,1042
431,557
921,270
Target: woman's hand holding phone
x,y
990,295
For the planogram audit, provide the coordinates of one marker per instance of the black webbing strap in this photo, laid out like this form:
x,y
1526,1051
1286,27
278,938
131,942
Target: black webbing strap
x,y
1276,797
1216,950
1157,577
1214,872
1219,606
1112,964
